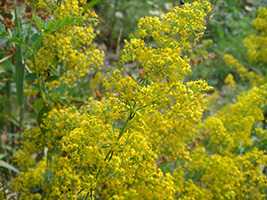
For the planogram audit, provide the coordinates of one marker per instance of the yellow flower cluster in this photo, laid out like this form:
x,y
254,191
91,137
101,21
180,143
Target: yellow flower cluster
x,y
146,138
85,156
223,162
226,161
256,44
67,53
166,38
233,123
112,149
163,99
230,81
180,27
246,75
222,177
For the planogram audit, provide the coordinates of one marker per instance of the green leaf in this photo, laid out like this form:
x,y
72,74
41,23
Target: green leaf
x,y
38,105
93,3
36,40
2,70
5,165
3,32
2,156
7,66
58,24
19,74
40,24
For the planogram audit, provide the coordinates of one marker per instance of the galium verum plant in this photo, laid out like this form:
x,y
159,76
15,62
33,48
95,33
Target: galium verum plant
x,y
145,139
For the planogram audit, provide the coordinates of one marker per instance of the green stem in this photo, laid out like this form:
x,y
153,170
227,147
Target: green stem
x,y
122,131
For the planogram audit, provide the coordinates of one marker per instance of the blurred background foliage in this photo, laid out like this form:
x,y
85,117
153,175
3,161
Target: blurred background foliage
x,y
120,17
229,24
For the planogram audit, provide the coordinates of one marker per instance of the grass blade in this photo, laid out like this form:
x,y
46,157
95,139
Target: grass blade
x,y
5,165
19,66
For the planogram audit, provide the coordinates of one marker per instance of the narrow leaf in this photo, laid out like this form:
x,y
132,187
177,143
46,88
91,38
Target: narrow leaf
x,y
2,156
94,3
5,165
40,25
58,24
19,74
